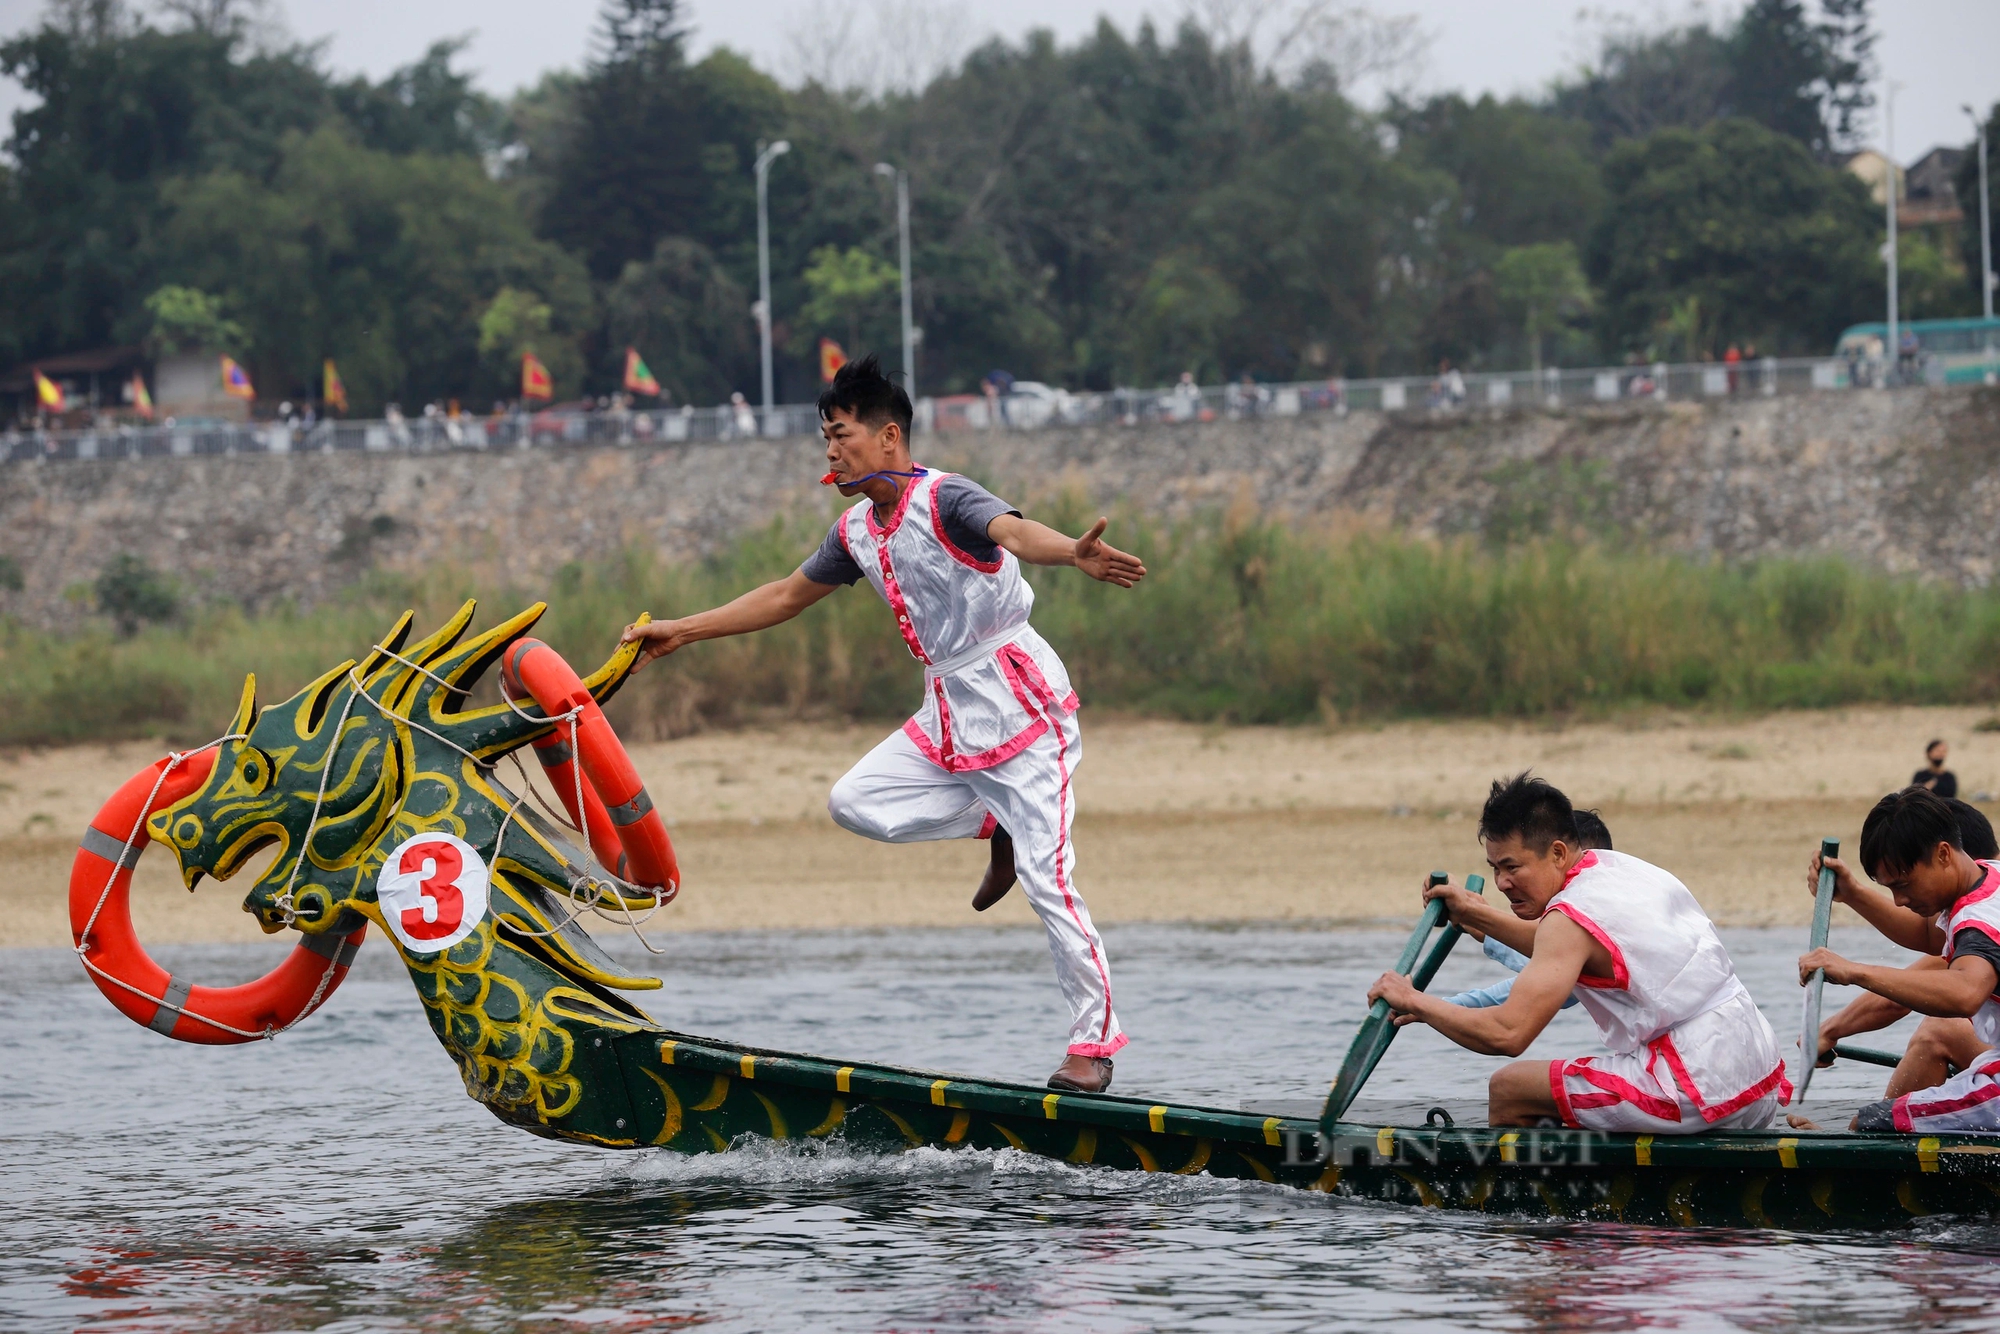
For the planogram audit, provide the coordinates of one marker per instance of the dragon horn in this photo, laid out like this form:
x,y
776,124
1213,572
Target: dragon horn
x,y
246,708
604,682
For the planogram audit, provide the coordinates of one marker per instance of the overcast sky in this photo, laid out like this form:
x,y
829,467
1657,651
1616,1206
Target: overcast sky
x,y
1943,51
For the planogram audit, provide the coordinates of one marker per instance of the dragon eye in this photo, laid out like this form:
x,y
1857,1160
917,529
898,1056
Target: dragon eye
x,y
250,772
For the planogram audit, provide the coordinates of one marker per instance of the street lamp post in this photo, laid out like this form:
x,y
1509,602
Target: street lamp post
x,y
1986,275
765,157
1892,350
902,179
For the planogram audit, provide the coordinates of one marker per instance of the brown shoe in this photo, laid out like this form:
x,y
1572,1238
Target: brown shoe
x,y
999,877
1082,1074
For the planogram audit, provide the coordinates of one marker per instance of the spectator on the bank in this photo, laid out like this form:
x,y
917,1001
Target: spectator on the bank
x,y
1187,398
1934,775
743,420
1454,385
1733,360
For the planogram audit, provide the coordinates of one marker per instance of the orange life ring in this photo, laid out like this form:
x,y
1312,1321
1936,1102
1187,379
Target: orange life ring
x,y
626,832
147,993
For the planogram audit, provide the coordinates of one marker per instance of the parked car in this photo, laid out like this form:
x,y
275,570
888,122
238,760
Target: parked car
x,y
1032,404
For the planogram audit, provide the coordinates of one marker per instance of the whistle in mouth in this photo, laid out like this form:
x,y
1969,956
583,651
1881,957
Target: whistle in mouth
x,y
831,478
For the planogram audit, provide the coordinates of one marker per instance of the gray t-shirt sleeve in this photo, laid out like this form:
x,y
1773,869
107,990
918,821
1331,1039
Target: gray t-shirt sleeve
x,y
965,508
830,562
1978,944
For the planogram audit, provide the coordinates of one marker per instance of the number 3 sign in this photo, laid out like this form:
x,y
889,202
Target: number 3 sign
x,y
432,891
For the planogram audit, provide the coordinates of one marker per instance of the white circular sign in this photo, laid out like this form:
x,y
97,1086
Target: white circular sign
x,y
432,891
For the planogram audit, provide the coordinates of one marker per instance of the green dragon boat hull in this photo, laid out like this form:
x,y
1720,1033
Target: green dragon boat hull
x,y
699,1095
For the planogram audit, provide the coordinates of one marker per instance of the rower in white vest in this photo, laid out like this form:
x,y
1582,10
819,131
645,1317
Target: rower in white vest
x,y
1688,1049
992,751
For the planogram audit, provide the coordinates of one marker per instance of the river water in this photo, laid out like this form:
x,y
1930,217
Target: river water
x,y
339,1179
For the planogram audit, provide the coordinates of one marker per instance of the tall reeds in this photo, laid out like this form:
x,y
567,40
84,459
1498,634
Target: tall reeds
x,y
1243,621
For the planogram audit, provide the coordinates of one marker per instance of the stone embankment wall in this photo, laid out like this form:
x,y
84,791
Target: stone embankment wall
x,y
1909,481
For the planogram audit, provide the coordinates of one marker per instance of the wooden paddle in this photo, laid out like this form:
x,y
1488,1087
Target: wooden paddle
x,y
1822,919
1378,1030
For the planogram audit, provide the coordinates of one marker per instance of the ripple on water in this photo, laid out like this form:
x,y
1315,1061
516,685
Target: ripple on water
x,y
339,1179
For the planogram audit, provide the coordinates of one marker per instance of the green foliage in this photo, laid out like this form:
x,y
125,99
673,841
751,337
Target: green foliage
x,y
1935,284
686,312
187,320
844,288
1541,287
514,324
1779,249
131,592
10,574
1250,622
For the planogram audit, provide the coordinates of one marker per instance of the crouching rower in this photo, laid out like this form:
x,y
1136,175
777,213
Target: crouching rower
x,y
1913,845
1689,1049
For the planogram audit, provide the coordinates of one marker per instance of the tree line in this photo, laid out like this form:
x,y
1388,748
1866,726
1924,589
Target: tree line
x,y
1111,212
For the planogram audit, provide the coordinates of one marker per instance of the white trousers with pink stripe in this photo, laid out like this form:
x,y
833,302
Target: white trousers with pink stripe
x,y
898,795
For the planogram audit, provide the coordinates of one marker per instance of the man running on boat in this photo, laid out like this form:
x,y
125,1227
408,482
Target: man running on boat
x,y
993,750
1948,905
1689,1049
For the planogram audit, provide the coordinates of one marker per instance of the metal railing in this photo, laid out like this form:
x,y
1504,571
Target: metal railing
x,y
1031,407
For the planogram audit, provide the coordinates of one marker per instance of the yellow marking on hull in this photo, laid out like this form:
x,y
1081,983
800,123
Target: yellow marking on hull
x,y
671,1126
1011,1137
1271,1131
1263,1172
937,1092
1482,1189
1049,1105
749,1064
1927,1154
1156,1117
1196,1160
909,1132
1753,1202
721,1144
667,1052
1642,1151
1327,1180
1906,1195
1508,1152
1425,1195
778,1130
1788,1152
961,1121
1549,1200
1146,1160
716,1093
1086,1146
1822,1193
835,1115
1622,1189
842,1078
1385,1142
1680,1205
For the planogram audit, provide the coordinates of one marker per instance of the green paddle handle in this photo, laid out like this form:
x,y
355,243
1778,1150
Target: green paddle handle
x,y
1450,936
1376,1031
1822,922
1867,1055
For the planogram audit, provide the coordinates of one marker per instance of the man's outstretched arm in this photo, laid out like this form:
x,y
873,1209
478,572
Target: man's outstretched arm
x,y
759,609
1039,544
1562,949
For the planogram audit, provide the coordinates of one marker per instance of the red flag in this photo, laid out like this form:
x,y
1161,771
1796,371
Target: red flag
x,y
535,380
831,359
142,402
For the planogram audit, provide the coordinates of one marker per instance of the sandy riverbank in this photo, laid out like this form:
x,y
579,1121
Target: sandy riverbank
x,y
1175,822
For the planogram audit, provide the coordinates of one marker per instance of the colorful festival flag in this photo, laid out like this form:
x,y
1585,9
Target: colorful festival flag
x,y
236,380
48,393
142,402
831,359
638,379
334,395
535,381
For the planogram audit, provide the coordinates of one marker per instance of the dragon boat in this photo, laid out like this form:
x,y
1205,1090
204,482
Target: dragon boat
x,y
380,786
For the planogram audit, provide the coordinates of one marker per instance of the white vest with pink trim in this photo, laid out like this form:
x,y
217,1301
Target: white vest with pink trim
x,y
991,684
1979,911
1674,990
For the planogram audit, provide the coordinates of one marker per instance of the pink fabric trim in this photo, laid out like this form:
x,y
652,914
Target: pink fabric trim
x,y
1071,704
1116,1044
987,826
893,592
1621,976
1559,1090
951,762
1906,1111
1664,1046
1990,932
952,549
1627,1091
1062,880
1583,863
1899,1112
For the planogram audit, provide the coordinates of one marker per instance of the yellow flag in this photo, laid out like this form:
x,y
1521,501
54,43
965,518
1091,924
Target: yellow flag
x,y
335,393
48,393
